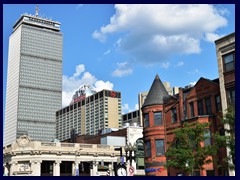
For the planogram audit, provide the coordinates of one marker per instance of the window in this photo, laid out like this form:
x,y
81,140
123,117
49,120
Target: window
x,y
231,96
177,143
210,173
130,116
158,118
134,114
191,110
208,106
148,149
174,115
222,132
124,117
196,173
159,147
218,103
200,107
146,120
228,61
207,138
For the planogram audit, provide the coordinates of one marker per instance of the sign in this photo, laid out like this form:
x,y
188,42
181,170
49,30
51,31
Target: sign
x,y
122,159
79,98
113,94
131,170
154,169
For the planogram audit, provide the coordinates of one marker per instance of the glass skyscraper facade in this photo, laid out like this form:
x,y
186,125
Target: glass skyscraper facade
x,y
34,80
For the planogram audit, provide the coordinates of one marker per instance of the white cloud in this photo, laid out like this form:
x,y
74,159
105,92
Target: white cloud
x,y
192,83
165,65
79,6
79,69
136,107
127,109
195,71
100,85
122,70
180,63
211,37
107,52
101,37
153,32
79,78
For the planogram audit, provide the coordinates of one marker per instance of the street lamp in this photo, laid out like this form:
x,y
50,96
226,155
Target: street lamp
x,y
129,149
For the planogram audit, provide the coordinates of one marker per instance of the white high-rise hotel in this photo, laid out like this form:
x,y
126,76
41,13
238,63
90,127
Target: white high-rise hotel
x,y
34,80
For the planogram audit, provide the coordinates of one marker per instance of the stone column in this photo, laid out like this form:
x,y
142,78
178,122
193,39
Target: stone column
x,y
95,168
56,168
6,172
13,167
110,169
36,168
75,168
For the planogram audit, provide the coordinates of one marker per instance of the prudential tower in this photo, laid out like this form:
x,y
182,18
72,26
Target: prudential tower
x,y
34,79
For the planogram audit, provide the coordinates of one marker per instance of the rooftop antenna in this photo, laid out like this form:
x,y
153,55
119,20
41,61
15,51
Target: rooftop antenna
x,y
36,11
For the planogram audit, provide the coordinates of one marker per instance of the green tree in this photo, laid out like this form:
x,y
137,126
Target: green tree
x,y
226,141
186,153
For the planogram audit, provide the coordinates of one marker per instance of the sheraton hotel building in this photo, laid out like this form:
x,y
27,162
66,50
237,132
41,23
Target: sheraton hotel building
x,y
89,115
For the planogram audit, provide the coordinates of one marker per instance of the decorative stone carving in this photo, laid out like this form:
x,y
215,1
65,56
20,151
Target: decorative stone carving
x,y
24,142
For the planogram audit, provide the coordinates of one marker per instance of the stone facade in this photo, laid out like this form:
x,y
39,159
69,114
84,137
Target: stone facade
x,y
225,46
132,135
24,157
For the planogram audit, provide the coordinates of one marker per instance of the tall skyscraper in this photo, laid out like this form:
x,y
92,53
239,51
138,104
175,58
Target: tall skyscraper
x,y
34,80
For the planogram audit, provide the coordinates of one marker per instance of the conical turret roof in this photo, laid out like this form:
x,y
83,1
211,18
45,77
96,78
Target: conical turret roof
x,y
156,94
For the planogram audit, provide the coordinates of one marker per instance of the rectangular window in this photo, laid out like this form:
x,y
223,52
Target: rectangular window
x,y
207,138
231,96
210,173
228,61
208,106
134,114
222,132
130,116
200,107
196,173
191,109
218,103
158,118
146,120
148,149
159,147
174,115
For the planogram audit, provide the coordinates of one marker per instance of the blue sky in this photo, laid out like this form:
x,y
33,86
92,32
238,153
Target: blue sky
x,y
122,47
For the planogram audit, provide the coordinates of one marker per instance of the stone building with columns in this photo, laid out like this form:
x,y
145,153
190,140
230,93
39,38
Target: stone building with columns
x,y
34,158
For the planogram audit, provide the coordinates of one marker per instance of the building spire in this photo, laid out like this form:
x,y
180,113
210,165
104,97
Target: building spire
x,y
36,11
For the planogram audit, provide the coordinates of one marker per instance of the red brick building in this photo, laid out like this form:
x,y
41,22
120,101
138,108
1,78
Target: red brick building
x,y
154,129
163,114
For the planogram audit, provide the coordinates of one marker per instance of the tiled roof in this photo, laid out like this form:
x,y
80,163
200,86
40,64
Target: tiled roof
x,y
156,94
